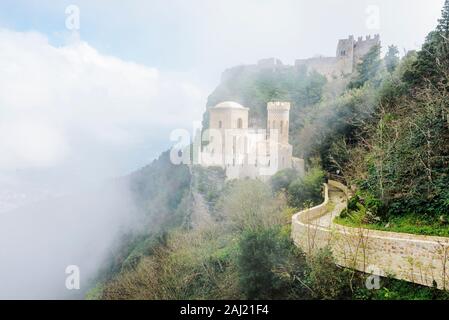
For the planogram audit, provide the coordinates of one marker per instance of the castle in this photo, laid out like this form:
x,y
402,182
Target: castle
x,y
349,54
260,153
249,153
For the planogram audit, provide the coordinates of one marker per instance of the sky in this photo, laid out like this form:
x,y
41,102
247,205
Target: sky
x,y
84,102
101,100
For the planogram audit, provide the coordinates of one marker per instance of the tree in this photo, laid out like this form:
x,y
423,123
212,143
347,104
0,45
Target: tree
x,y
443,22
281,180
368,69
250,205
326,279
306,189
443,30
270,266
392,58
432,63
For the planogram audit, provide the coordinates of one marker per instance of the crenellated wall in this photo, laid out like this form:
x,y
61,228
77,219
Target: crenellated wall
x,y
414,258
349,53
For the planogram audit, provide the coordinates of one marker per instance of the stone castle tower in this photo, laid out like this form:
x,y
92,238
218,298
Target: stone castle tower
x,y
249,152
349,54
354,50
224,118
278,116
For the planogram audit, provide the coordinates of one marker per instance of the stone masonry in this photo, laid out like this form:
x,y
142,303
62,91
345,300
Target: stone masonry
x,y
414,258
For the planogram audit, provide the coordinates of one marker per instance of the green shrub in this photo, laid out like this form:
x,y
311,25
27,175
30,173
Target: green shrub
x,y
326,280
306,190
269,264
281,180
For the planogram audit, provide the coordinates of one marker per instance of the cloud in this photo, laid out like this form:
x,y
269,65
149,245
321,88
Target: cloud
x,y
57,103
69,117
38,242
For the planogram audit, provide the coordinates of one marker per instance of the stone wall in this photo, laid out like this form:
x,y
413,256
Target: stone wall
x,y
330,67
414,258
349,54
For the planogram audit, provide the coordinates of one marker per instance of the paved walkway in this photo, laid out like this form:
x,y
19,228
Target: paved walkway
x,y
414,258
337,202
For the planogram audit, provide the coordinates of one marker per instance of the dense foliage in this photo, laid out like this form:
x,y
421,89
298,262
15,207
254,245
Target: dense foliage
x,y
432,64
267,265
301,191
368,69
392,59
217,260
161,192
385,133
247,253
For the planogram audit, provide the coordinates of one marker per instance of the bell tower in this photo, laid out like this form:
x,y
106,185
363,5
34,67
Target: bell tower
x,y
279,119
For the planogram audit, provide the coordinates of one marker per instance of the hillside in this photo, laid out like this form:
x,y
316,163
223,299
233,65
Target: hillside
x,y
254,86
389,138
382,131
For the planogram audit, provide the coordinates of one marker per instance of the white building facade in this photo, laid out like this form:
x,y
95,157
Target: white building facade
x,y
248,152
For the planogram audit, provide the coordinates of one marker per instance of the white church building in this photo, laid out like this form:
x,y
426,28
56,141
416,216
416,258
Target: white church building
x,y
249,152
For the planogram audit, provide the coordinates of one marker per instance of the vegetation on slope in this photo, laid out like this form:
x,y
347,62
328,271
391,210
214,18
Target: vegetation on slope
x,y
300,191
254,86
398,155
161,190
385,134
245,253
214,260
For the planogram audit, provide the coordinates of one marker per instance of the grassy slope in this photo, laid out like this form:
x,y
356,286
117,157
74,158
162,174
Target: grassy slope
x,y
411,224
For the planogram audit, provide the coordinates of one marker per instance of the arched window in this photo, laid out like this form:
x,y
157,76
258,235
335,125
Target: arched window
x,y
240,123
274,124
220,124
282,127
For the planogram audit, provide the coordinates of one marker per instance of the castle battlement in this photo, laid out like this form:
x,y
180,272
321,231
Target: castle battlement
x,y
279,105
348,54
368,38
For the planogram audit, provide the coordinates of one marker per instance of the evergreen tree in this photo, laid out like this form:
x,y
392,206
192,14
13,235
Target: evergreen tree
x,y
443,23
443,44
368,69
392,58
262,252
432,63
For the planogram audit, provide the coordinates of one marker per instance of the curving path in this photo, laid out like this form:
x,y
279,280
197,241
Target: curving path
x,y
337,203
419,259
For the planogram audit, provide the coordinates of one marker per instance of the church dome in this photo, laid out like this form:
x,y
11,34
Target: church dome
x,y
229,105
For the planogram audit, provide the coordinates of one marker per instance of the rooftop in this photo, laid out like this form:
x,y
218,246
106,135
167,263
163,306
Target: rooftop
x,y
229,105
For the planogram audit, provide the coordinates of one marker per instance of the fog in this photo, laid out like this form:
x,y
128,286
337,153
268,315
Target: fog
x,y
72,120
80,108
39,241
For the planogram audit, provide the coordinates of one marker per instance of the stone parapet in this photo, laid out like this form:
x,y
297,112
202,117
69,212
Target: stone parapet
x,y
414,258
